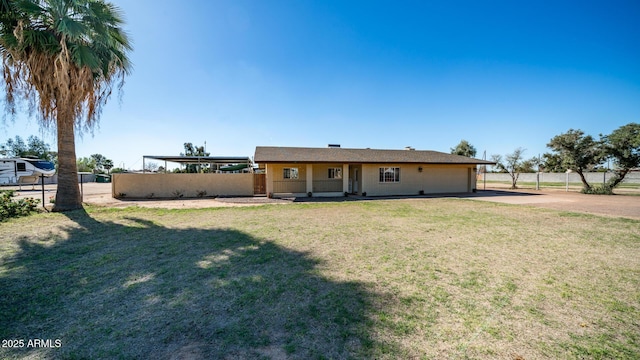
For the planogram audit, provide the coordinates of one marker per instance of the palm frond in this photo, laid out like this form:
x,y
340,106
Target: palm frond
x,y
28,7
63,53
71,29
84,56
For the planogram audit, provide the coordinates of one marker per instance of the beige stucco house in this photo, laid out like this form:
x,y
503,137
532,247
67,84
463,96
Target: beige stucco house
x,y
334,171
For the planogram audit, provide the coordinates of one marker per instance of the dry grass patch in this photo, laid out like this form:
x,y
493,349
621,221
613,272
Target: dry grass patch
x,y
427,278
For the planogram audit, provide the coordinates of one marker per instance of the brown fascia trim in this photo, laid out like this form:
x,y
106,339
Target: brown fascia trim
x,y
362,163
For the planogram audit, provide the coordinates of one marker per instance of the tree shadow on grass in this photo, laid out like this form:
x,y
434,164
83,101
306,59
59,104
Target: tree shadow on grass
x,y
135,289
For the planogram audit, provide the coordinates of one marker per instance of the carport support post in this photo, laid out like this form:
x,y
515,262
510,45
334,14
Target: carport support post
x,y
484,171
42,180
538,180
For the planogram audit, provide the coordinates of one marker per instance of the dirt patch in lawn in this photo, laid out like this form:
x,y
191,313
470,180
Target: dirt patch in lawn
x,y
627,206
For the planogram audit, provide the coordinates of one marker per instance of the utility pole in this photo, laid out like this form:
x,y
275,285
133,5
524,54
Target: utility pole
x,y
538,174
484,173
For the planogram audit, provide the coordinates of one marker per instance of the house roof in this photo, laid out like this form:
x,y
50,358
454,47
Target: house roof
x,y
274,154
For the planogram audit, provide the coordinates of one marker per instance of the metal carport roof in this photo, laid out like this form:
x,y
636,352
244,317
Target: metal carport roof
x,y
199,159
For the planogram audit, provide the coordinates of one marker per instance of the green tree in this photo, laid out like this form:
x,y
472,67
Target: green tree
x,y
108,165
63,58
623,146
552,163
85,164
464,148
513,164
101,163
34,147
14,147
192,150
579,152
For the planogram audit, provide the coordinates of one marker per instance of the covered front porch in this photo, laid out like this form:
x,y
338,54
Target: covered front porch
x,y
321,179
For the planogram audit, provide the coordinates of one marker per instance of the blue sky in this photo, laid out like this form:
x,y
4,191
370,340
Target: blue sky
x,y
379,74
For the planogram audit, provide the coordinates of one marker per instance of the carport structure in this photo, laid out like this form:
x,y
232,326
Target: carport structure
x,y
225,179
214,161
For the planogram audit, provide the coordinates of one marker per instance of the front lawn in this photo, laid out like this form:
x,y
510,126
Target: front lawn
x,y
386,279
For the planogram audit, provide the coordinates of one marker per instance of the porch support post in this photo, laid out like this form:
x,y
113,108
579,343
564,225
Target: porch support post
x,y
309,178
269,179
345,178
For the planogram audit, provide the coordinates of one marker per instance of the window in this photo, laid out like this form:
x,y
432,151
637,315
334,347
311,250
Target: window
x,y
44,165
389,174
21,166
290,173
335,173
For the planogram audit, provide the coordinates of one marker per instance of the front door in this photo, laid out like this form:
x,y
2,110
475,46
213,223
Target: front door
x,y
355,180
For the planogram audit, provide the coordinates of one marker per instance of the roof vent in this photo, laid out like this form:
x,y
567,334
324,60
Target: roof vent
x,y
333,145
409,148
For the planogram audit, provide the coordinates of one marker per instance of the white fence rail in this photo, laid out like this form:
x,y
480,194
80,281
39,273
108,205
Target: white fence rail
x,y
592,177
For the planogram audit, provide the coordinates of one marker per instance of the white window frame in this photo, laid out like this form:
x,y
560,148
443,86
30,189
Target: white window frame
x,y
290,173
334,173
389,175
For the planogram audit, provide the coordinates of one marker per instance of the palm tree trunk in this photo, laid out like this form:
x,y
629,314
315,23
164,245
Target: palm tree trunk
x,y
68,193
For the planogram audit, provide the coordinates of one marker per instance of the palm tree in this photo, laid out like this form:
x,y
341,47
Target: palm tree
x,y
63,58
108,164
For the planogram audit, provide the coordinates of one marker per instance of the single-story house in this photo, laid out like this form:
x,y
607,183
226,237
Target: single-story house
x,y
334,171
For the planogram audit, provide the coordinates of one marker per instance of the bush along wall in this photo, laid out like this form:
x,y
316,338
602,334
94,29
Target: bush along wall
x,y
10,208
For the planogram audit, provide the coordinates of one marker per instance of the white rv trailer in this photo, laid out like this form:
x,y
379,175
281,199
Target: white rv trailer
x,y
16,171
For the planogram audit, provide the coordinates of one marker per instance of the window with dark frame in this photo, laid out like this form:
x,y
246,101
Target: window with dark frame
x,y
335,173
290,173
389,174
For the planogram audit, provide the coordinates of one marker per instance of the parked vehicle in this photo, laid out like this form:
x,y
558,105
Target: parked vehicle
x,y
16,171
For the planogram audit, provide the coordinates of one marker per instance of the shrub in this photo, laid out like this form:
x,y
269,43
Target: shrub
x,y
11,209
598,190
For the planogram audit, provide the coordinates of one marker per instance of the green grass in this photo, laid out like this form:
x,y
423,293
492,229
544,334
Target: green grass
x,y
417,278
